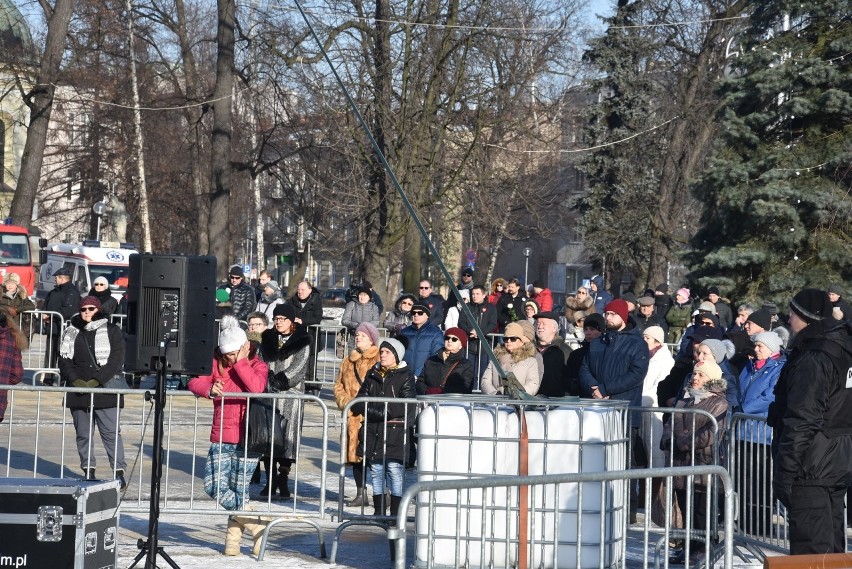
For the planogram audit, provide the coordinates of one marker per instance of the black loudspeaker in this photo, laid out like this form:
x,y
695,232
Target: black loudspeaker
x,y
171,313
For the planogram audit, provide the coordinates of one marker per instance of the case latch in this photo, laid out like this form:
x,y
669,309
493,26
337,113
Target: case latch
x,y
49,527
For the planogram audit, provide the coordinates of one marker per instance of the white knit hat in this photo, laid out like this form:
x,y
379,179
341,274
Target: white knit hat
x,y
231,336
656,333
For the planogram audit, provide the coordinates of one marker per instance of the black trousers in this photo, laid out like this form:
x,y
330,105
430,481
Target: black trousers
x,y
817,521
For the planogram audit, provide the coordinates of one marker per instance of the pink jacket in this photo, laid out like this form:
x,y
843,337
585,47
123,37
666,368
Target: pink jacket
x,y
248,375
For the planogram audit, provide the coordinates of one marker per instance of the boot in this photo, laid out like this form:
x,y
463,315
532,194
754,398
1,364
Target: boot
x,y
394,508
255,477
359,500
379,505
232,536
89,473
283,481
119,475
255,525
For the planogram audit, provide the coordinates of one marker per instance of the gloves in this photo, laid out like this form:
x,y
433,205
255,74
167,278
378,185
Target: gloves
x,y
86,383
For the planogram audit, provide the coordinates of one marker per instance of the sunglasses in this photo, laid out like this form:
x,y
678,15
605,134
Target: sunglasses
x,y
406,303
511,339
88,309
580,321
425,287
100,284
450,339
234,277
417,313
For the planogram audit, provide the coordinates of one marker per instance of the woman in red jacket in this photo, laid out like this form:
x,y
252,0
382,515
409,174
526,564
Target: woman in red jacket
x,y
227,472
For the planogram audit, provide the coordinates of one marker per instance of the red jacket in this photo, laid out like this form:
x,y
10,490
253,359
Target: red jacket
x,y
248,376
544,299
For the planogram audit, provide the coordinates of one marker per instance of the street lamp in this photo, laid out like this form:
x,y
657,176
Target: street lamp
x,y
527,252
309,236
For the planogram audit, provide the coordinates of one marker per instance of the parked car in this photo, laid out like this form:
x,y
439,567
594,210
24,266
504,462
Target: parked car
x,y
333,304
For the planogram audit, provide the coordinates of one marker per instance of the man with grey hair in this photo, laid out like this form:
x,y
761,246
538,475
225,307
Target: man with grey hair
x,y
554,353
743,312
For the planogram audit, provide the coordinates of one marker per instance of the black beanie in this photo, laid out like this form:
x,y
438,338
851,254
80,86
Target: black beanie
x,y
285,310
811,305
762,318
595,321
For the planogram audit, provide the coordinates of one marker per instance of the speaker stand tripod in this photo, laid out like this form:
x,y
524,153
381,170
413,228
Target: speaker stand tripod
x,y
150,549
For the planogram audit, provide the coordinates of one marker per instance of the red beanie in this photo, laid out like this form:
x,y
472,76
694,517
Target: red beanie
x,y
458,333
619,306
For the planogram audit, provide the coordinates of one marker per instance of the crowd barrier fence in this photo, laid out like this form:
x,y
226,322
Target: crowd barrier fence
x,y
38,439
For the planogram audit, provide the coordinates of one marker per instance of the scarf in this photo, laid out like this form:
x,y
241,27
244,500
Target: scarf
x,y
699,394
102,348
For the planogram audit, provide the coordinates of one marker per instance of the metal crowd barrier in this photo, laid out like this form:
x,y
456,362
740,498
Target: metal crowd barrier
x,y
326,356
37,438
558,529
43,329
475,436
761,523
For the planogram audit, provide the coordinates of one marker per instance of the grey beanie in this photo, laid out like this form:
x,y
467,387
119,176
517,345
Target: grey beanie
x,y
717,348
769,339
395,346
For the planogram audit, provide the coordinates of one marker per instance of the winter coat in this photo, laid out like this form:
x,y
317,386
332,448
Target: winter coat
x,y
353,371
812,442
602,297
544,299
617,363
678,317
653,320
572,368
455,373
510,309
697,435
17,303
245,376
355,313
574,305
384,435
242,301
423,343
659,367
267,304
726,316
308,310
81,363
485,316
64,299
523,363
109,305
757,392
11,368
435,302
555,357
288,370
397,319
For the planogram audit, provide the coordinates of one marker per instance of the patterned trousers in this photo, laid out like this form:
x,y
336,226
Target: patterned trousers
x,y
227,474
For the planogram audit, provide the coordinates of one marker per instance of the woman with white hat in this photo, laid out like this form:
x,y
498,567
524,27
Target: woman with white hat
x,y
659,366
236,368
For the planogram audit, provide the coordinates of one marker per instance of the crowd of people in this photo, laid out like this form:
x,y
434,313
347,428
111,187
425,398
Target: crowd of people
x,y
663,348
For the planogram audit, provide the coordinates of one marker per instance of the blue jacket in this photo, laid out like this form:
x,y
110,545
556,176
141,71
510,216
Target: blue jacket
x,y
617,363
757,391
422,344
602,297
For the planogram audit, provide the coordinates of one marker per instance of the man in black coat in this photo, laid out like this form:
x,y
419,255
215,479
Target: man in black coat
x,y
64,298
593,326
242,296
812,426
307,303
433,301
646,316
510,307
486,318
554,353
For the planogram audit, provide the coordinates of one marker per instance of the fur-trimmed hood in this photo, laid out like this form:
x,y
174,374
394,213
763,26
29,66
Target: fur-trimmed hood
x,y
269,344
574,304
527,350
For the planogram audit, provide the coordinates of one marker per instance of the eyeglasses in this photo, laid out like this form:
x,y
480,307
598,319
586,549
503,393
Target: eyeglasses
x,y
425,287
256,325
580,321
581,292
417,313
450,339
406,303
511,339
279,319
87,309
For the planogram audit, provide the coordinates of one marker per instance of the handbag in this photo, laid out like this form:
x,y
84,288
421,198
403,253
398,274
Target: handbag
x,y
265,434
439,390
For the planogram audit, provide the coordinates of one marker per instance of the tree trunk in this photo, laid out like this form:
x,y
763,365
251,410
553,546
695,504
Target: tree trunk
x,y
41,107
221,145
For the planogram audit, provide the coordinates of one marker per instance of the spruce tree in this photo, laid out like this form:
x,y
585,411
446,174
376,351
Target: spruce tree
x,y
778,213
